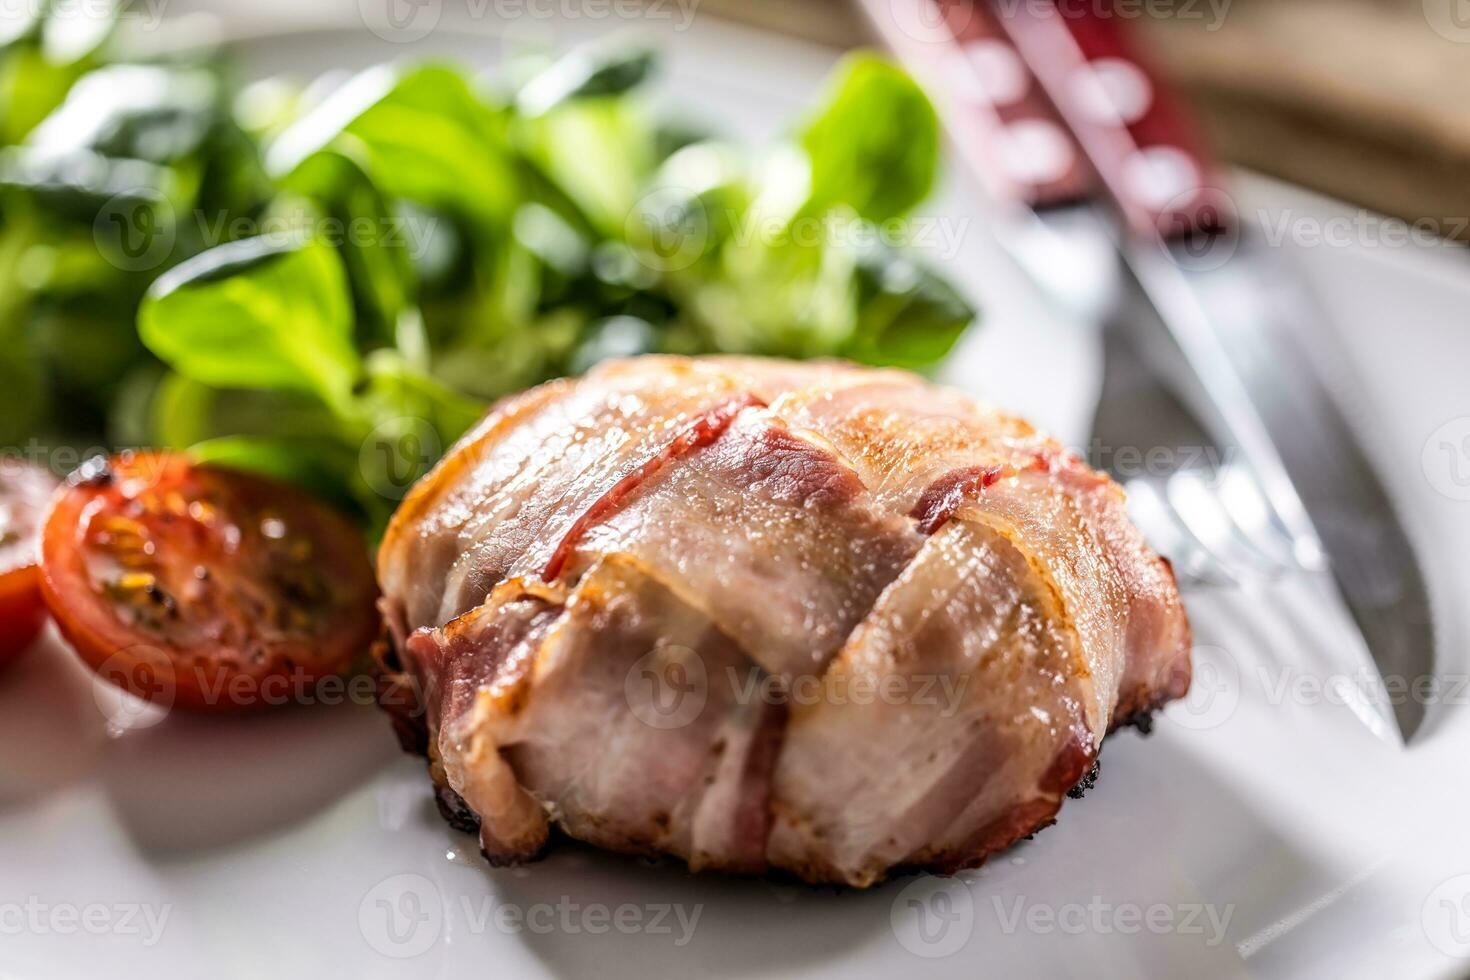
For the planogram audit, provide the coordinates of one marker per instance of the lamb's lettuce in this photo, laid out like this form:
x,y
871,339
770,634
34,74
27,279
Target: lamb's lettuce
x,y
873,142
257,314
328,283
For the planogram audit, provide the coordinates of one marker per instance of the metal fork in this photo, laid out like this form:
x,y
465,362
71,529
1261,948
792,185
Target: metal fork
x,y
1216,527
1205,511
1195,503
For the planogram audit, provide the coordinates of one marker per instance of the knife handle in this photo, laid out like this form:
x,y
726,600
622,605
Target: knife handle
x,y
1136,134
994,111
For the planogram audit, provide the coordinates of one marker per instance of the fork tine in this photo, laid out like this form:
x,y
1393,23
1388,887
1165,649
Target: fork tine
x,y
1248,508
1169,535
1199,508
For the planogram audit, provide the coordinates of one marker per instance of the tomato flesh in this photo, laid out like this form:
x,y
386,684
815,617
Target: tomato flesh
x,y
25,492
205,587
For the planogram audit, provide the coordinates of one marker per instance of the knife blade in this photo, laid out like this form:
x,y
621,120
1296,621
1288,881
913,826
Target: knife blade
x,y
1245,330
1050,220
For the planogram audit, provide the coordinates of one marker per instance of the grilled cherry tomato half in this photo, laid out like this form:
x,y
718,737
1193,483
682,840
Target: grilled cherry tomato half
x,y
25,492
205,587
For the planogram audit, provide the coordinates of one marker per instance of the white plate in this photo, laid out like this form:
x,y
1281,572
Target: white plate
x,y
1259,832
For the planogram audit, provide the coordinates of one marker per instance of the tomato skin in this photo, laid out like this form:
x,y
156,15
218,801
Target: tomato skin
x,y
22,612
215,628
25,493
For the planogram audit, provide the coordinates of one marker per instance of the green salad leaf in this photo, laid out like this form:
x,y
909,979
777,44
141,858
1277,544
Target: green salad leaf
x,y
593,72
328,282
909,316
257,313
376,243
873,142
425,136
46,46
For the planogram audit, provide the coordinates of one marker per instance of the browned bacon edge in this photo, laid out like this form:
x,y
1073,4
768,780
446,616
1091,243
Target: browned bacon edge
x,y
954,489
949,493
1074,763
704,429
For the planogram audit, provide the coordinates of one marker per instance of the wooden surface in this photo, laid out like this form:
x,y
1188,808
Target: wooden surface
x,y
1361,100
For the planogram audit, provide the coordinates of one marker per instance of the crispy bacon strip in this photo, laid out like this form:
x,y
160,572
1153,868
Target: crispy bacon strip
x,y
902,622
704,429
